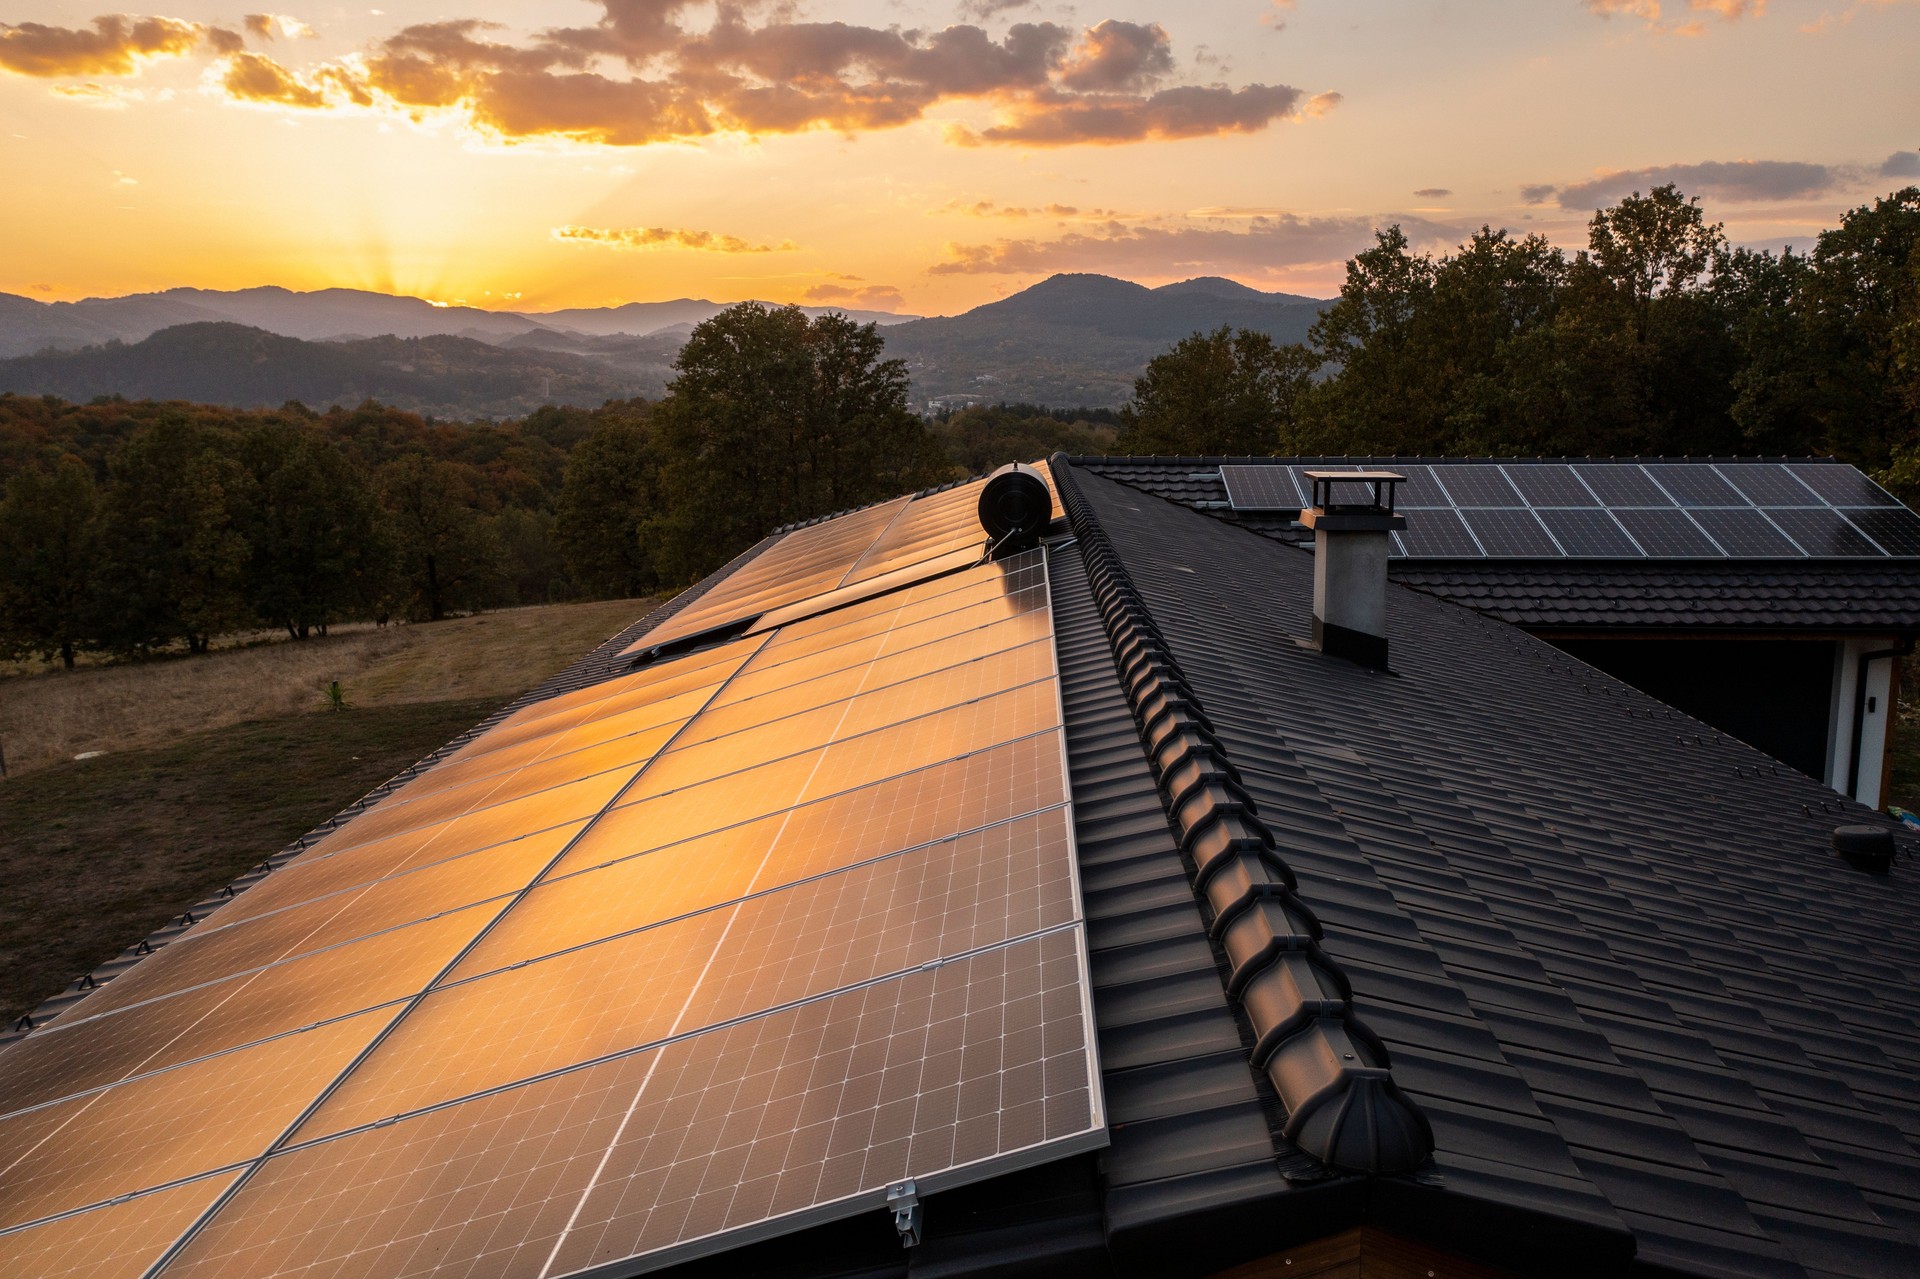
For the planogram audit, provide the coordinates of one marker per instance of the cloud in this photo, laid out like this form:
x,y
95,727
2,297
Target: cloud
x,y
1537,192
658,237
1267,241
1118,57
871,297
1186,111
115,45
982,10
1736,181
249,77
1901,164
1654,14
1433,193
641,76
266,25
988,209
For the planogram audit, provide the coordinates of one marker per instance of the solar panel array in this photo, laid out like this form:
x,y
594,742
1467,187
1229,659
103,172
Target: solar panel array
x,y
707,952
1618,510
922,533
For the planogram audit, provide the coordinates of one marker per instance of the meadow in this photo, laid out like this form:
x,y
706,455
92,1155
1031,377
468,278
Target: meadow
x,y
211,763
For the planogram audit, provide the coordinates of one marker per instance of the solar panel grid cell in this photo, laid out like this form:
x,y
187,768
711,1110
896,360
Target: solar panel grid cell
x,y
1437,534
1588,533
1823,533
1619,484
1667,533
1841,485
1896,531
1510,533
1261,488
1478,486
1545,484
1693,485
909,807
118,1241
1768,484
238,1010
1746,533
171,1125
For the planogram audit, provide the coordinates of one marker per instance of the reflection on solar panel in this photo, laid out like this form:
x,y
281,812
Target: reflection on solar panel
x,y
933,533
1473,509
707,952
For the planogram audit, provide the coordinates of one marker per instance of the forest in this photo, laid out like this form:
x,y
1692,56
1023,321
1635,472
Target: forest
x,y
135,528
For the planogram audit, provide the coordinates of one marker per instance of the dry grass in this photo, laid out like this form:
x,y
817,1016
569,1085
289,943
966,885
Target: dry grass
x,y
95,855
51,717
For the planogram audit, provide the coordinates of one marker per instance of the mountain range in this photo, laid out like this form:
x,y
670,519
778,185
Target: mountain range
x,y
1069,340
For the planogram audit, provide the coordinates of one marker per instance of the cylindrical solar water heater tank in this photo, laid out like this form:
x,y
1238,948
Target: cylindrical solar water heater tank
x,y
1015,507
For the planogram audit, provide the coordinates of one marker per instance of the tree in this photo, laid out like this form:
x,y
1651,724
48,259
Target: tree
x,y
312,525
612,487
173,553
1864,329
1658,243
771,418
980,438
1222,393
49,541
447,555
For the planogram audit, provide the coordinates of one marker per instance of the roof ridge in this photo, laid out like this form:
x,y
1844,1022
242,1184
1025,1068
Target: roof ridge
x,y
1332,1073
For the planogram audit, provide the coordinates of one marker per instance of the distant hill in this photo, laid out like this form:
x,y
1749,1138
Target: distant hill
x,y
1081,339
28,327
232,364
1069,340
640,318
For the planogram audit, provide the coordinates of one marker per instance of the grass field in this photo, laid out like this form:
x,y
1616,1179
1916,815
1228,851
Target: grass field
x,y
46,718
215,762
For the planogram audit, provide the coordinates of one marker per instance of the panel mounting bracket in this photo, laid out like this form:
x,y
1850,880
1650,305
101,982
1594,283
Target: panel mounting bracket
x,y
905,1202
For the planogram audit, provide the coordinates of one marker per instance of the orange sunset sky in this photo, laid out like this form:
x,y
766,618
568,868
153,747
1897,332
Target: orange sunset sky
x,y
901,155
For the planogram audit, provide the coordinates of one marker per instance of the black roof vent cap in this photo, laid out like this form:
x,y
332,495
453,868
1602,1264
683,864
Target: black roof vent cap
x,y
1868,848
1015,508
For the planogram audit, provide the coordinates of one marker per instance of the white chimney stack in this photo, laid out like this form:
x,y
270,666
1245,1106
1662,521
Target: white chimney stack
x,y
1350,563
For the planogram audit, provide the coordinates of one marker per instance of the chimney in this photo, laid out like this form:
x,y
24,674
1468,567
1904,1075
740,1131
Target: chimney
x,y
1350,562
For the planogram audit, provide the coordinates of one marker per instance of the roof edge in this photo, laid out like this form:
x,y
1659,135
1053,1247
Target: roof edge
x,y
1332,1074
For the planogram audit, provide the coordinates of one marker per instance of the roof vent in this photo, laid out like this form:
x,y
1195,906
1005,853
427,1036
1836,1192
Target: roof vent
x,y
1868,848
1015,508
1350,563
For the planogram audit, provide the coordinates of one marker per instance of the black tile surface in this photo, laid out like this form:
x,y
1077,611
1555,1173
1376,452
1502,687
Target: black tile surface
x,y
1623,976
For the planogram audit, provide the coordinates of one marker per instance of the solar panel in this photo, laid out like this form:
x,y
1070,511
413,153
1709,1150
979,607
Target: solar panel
x,y
1550,484
1585,533
1693,485
1261,488
1487,509
1827,533
1437,535
1893,528
1840,485
1746,534
1510,533
807,926
1665,533
1623,485
1478,486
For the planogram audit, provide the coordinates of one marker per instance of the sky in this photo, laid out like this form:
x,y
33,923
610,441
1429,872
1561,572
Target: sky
x,y
919,156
